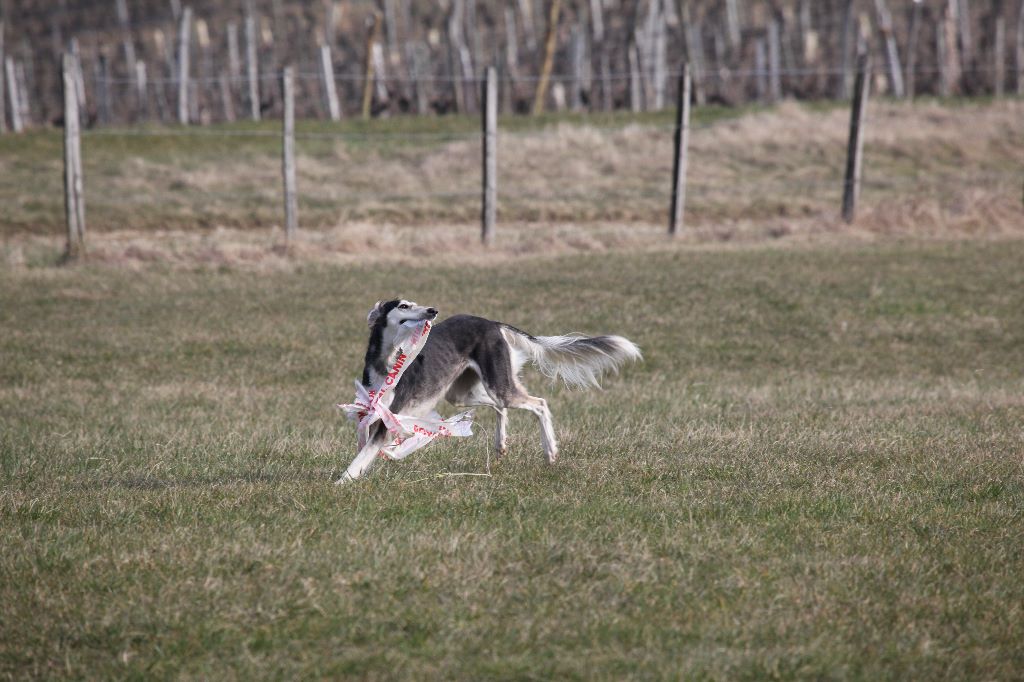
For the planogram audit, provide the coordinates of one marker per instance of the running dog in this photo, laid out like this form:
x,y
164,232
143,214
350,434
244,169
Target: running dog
x,y
471,361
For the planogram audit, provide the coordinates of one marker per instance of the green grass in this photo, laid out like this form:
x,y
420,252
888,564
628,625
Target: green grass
x,y
816,473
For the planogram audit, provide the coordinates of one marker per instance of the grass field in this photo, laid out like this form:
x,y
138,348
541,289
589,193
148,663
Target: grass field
x,y
816,473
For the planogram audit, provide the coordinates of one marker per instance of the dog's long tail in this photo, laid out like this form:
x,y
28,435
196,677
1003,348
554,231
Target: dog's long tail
x,y
579,360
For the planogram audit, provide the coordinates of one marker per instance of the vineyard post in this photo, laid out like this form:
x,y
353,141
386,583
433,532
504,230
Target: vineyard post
x,y
184,39
892,54
999,56
226,98
915,31
14,104
774,75
330,89
1020,49
3,95
550,41
368,74
103,95
252,67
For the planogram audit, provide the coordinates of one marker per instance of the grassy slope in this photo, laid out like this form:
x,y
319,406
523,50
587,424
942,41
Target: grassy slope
x,y
925,164
815,473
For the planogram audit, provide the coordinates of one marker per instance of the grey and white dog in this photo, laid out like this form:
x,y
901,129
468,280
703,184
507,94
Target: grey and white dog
x,y
471,361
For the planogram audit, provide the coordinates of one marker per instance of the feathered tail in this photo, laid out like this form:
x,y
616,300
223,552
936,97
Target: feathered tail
x,y
579,360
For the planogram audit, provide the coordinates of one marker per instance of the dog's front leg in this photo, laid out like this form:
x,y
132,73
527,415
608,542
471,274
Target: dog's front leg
x,y
363,461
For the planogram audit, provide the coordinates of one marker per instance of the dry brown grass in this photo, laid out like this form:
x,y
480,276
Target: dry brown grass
x,y
931,170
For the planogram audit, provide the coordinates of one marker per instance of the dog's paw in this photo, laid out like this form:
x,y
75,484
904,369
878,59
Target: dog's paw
x,y
345,478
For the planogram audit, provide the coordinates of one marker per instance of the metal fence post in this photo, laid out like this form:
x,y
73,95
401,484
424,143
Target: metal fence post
x,y
855,148
682,143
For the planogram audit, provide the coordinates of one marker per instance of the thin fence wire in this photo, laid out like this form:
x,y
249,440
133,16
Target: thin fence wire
x,y
550,129
709,74
697,189
342,135
824,187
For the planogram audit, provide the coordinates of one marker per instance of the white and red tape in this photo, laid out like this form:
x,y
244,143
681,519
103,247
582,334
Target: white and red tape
x,y
411,433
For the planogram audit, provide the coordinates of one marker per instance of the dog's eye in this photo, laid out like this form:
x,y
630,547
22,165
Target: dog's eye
x,y
403,306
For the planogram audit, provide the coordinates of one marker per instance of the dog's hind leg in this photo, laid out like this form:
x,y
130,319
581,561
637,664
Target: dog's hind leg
x,y
501,432
498,371
539,407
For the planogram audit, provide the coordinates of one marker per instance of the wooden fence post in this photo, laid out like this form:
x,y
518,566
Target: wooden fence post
x,y
855,148
103,96
141,89
950,54
291,204
226,99
635,86
681,150
74,200
577,51
23,93
330,89
184,52
234,60
760,69
13,103
251,64
550,42
490,160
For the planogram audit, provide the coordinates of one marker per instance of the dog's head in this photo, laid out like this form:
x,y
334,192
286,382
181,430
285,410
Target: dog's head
x,y
394,313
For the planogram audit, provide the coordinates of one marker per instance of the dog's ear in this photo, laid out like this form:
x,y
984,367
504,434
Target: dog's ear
x,y
372,318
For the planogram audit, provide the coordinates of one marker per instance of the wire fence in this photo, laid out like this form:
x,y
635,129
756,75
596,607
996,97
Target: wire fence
x,y
606,170
398,79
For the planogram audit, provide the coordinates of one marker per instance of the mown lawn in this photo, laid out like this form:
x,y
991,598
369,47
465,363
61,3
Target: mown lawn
x,y
816,473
